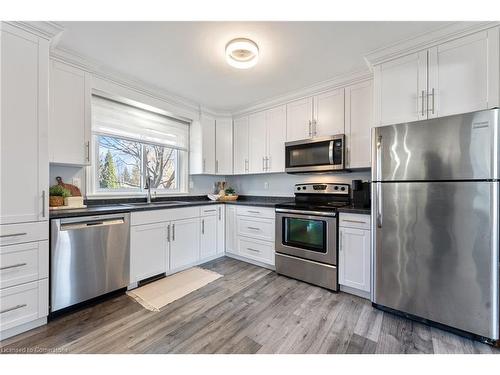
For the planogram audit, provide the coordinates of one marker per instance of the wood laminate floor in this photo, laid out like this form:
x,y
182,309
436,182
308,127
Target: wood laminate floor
x,y
249,310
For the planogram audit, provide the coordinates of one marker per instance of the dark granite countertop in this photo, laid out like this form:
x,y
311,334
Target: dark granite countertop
x,y
110,206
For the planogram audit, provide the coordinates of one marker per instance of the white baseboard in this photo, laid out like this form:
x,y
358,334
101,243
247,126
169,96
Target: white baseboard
x,y
254,262
356,292
22,328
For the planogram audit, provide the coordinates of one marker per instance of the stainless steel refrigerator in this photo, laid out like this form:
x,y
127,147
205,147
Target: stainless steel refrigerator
x,y
435,206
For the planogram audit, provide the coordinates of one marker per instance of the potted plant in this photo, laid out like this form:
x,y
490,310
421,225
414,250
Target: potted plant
x,y
230,191
57,194
230,194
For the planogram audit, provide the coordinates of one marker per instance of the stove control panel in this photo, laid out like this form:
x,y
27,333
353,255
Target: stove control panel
x,y
327,188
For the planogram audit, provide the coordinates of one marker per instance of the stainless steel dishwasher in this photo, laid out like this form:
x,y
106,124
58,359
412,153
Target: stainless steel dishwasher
x,y
89,257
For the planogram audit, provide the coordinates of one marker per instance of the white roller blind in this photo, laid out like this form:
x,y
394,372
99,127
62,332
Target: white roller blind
x,y
117,119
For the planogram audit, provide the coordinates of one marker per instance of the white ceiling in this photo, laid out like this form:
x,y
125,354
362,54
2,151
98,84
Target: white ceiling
x,y
187,58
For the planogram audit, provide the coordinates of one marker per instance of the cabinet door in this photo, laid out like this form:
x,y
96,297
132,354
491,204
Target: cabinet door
x,y
208,145
224,146
329,113
354,258
231,246
359,121
463,75
221,229
208,244
184,243
148,251
399,87
257,131
23,133
69,125
299,119
240,149
276,136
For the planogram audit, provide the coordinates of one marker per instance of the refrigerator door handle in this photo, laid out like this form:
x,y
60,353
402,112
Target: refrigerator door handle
x,y
379,204
379,159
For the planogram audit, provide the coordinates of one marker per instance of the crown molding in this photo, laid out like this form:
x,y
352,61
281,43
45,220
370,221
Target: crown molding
x,y
330,84
423,41
43,29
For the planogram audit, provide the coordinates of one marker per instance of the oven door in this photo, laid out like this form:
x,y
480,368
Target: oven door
x,y
307,235
315,155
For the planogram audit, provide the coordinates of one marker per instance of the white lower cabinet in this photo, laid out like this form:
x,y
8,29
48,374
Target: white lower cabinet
x,y
221,229
354,253
184,243
250,233
208,242
148,251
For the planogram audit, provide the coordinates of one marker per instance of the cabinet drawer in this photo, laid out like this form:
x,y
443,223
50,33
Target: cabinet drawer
x,y
23,303
354,221
209,210
256,211
26,232
261,251
158,216
262,229
23,263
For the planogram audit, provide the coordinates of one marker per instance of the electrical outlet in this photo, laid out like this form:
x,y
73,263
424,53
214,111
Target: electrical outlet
x,y
77,182
191,183
266,185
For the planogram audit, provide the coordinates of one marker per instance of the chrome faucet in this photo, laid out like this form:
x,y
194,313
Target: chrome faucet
x,y
149,189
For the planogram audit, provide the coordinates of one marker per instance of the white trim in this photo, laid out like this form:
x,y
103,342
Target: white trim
x,y
423,41
43,29
336,82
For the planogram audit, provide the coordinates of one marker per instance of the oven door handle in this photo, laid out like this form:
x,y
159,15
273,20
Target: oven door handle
x,y
306,213
330,152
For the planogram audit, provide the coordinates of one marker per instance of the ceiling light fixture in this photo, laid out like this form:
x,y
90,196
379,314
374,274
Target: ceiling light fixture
x,y
242,53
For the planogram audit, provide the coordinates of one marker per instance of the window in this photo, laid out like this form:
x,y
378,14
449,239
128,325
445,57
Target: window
x,y
133,146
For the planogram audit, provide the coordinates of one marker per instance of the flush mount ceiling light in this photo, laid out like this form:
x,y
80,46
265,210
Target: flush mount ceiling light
x,y
242,53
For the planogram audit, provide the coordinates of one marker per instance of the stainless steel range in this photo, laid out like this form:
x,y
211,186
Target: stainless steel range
x,y
306,233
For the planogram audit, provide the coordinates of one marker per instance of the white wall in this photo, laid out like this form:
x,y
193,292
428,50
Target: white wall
x,y
282,184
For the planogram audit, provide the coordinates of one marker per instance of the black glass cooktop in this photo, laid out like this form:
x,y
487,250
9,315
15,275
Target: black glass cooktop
x,y
310,206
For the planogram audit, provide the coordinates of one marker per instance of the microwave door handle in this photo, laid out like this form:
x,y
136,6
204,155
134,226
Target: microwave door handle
x,y
330,152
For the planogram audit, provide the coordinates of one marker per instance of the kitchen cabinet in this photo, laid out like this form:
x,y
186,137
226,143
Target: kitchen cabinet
x,y
223,146
267,132
231,246
257,142
299,119
24,59
184,243
69,116
328,113
221,229
454,77
240,148
148,251
202,146
208,242
354,253
358,124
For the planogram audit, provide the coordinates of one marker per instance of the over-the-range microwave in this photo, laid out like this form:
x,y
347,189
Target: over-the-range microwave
x,y
323,154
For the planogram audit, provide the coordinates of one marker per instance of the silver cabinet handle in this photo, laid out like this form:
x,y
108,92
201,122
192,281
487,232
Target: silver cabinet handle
x,y
13,235
220,214
253,212
310,128
43,203
423,93
246,165
13,308
203,165
340,242
314,128
210,210
263,163
203,226
254,250
253,228
168,233
354,221
432,94
173,232
87,146
13,266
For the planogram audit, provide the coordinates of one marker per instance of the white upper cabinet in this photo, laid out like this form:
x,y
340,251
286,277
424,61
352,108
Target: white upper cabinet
x,y
240,147
299,119
202,146
257,131
399,88
328,113
455,77
358,124
276,136
24,61
463,75
224,146
69,117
